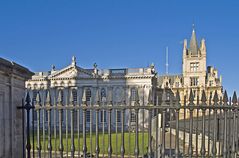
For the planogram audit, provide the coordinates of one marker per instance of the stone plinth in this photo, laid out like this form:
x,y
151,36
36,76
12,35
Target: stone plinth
x,y
12,90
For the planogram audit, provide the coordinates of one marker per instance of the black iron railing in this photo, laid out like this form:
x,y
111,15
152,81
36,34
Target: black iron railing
x,y
193,129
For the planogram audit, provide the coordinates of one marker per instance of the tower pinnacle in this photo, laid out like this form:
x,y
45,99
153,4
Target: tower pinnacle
x,y
193,43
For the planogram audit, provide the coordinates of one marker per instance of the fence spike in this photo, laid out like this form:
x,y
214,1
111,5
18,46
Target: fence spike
x,y
150,97
84,96
97,96
38,99
164,97
191,97
215,98
28,98
48,98
177,98
234,98
203,98
220,100
72,97
137,97
225,97
60,97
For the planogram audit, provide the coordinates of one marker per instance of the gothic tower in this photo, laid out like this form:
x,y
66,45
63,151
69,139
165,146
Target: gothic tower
x,y
194,63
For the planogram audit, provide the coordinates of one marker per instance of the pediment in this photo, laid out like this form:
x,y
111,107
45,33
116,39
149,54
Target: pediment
x,y
71,72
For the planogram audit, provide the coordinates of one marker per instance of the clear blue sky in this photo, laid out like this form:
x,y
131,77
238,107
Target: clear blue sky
x,y
119,33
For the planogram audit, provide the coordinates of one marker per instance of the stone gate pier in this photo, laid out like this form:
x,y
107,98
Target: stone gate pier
x,y
12,90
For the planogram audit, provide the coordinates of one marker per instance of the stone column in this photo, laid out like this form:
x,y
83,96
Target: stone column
x,y
12,90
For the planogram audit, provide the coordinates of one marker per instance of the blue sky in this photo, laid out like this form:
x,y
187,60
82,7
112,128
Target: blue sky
x,y
119,33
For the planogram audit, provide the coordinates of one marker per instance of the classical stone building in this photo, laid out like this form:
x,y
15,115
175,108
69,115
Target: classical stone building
x,y
196,75
121,84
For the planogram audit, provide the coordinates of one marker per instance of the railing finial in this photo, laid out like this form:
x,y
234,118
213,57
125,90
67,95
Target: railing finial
x,y
38,98
110,96
72,101
203,98
150,97
84,96
234,98
28,98
48,98
177,97
215,98
191,97
225,97
164,97
97,96
60,97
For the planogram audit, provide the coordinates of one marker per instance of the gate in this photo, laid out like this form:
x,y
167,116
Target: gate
x,y
196,127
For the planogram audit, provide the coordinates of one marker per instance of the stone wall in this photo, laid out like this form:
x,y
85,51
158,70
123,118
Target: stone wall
x,y
12,90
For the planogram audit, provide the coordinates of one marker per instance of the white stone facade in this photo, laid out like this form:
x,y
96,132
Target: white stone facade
x,y
121,83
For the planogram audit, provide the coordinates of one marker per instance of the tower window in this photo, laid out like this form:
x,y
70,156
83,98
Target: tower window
x,y
194,66
194,81
210,83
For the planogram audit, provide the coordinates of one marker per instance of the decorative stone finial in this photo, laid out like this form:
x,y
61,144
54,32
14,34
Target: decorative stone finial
x,y
73,60
95,69
152,67
53,68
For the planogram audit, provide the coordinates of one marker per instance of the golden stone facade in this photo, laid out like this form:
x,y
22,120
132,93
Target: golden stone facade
x,y
196,75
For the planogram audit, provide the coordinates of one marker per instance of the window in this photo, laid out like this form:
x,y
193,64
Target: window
x,y
118,115
177,84
133,94
194,81
132,116
194,66
103,116
210,83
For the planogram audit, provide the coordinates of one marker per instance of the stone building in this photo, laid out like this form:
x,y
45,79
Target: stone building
x,y
12,90
121,84
196,75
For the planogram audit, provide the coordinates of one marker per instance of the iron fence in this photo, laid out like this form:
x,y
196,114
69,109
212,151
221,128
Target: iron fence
x,y
171,129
